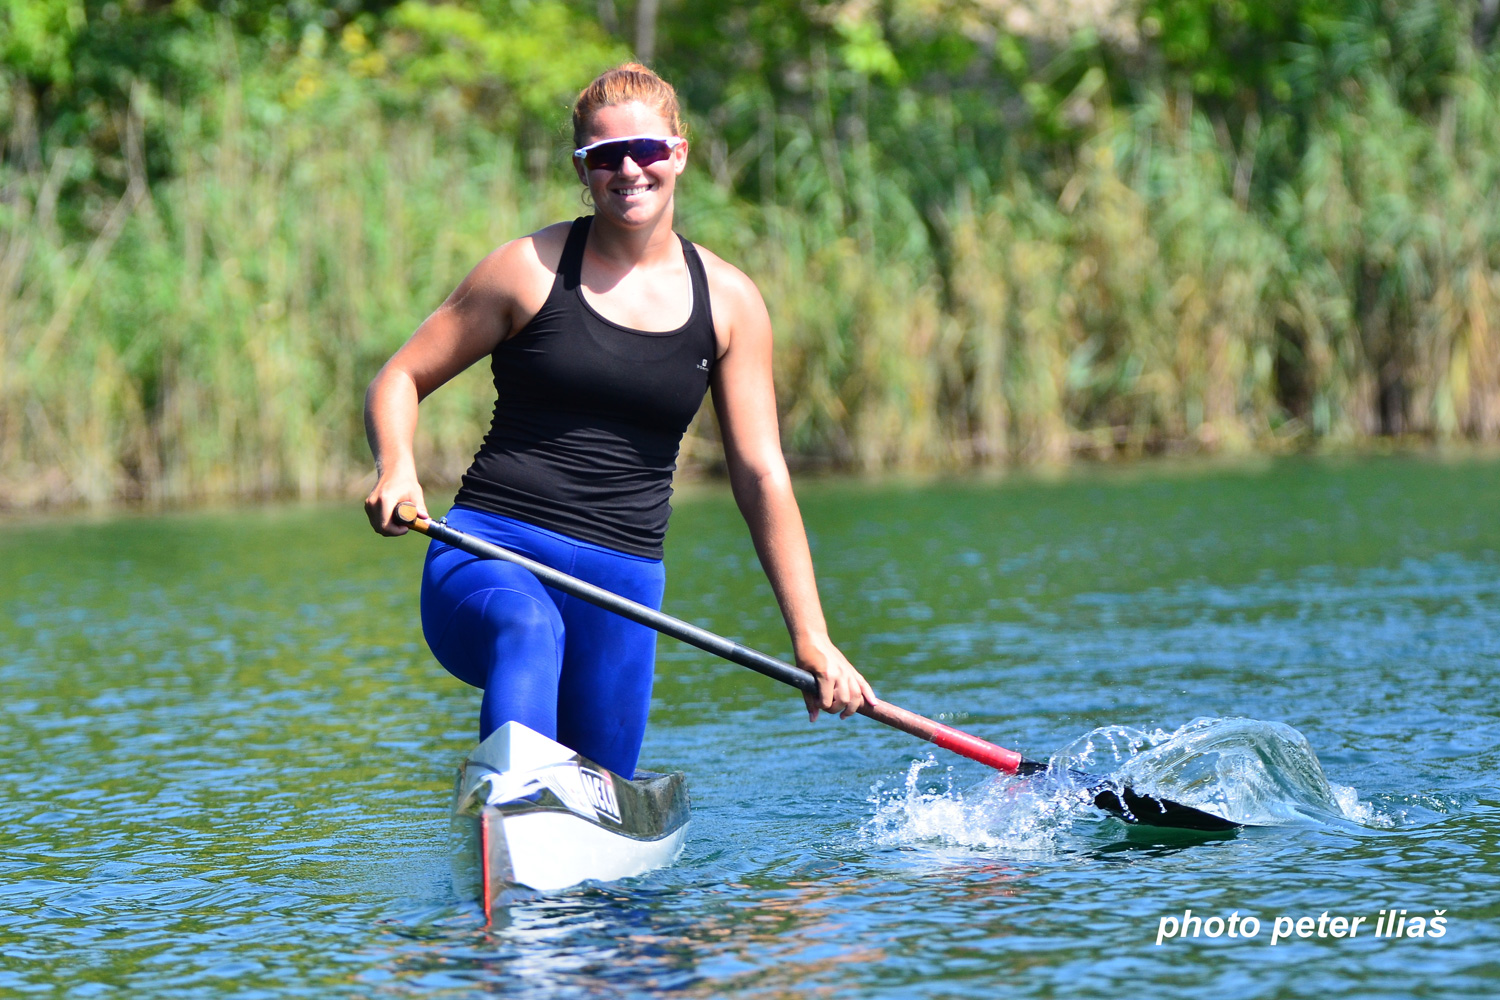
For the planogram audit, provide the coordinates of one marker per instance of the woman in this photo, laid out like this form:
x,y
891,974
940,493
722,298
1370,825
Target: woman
x,y
604,334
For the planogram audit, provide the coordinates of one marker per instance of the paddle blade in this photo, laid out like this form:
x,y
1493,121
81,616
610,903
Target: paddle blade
x,y
1136,807
1148,810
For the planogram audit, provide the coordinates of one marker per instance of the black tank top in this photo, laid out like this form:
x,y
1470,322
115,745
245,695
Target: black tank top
x,y
589,415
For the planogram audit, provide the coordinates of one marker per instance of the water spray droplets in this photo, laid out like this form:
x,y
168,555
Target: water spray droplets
x,y
1001,813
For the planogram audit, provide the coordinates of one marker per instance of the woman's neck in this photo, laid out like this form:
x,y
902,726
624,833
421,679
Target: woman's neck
x,y
629,246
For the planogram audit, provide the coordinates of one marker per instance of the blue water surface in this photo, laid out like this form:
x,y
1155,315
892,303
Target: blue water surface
x,y
227,753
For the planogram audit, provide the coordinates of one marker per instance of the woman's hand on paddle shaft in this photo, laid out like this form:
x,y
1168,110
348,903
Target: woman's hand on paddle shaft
x,y
380,505
841,688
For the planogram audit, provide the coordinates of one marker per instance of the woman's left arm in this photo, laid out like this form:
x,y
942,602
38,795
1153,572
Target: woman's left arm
x,y
745,401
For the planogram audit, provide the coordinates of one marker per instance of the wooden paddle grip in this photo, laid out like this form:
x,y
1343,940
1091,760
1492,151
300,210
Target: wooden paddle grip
x,y
406,513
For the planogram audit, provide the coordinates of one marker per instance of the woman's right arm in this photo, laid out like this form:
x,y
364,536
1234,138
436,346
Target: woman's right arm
x,y
482,311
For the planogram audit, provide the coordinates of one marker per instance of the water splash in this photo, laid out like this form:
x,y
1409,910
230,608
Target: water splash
x,y
1248,771
1252,772
1022,816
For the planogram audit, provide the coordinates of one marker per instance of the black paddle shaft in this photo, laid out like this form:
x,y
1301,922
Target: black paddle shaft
x,y
705,640
1125,802
883,712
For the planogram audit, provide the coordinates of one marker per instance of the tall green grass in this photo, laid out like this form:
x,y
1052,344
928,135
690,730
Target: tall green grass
x,y
1139,304
218,340
213,334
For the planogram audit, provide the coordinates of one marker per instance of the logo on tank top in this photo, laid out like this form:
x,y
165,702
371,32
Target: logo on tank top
x,y
703,365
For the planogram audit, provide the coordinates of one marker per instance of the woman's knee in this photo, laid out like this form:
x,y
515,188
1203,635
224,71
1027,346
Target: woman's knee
x,y
501,619
520,618
476,613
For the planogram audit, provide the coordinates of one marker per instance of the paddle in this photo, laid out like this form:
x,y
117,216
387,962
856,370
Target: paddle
x,y
1129,805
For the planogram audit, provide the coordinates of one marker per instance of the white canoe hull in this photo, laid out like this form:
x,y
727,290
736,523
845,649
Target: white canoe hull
x,y
556,850
531,813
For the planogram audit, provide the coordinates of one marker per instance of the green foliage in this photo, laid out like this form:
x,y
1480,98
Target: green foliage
x,y
536,53
36,35
1291,51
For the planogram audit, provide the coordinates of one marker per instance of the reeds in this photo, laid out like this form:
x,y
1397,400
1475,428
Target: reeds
x,y
214,334
224,334
1141,304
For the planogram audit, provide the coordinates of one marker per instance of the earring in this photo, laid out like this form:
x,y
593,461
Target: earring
x,y
587,197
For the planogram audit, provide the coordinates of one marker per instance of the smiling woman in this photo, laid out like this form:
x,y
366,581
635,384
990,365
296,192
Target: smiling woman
x,y
604,335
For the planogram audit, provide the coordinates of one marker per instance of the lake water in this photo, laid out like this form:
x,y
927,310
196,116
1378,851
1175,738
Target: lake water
x,y
227,755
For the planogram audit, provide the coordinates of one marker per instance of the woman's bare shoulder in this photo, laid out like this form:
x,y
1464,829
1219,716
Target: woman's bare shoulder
x,y
512,283
527,257
728,285
739,311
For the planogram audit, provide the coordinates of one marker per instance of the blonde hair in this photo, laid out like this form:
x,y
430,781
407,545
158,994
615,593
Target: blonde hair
x,y
621,85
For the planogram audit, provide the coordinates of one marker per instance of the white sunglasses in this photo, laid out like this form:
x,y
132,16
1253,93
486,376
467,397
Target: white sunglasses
x,y
609,154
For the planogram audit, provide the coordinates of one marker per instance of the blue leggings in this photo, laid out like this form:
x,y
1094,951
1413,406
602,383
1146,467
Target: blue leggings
x,y
565,668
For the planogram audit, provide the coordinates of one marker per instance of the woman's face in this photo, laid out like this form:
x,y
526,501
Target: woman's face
x,y
632,195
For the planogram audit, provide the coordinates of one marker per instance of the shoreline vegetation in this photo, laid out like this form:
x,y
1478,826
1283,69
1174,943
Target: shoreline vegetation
x,y
983,244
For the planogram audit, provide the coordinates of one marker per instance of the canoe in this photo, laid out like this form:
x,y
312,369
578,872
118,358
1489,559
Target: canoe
x,y
531,813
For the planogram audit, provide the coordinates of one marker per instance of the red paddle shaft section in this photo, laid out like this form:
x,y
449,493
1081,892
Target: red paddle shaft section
x,y
946,737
